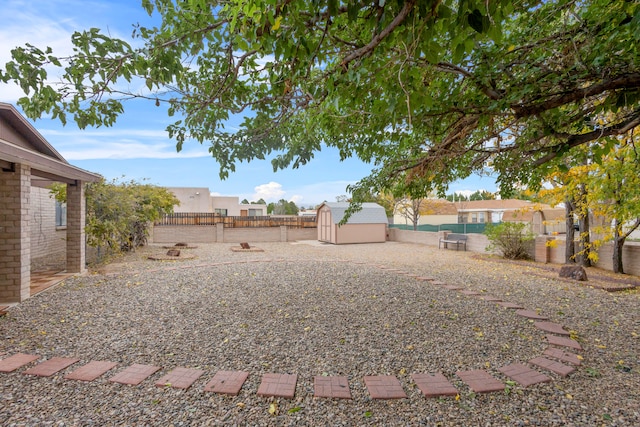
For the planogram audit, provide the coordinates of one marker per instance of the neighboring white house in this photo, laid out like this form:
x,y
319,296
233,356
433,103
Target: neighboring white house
x,y
199,199
192,199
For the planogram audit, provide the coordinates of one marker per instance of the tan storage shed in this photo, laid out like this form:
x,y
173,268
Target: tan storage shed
x,y
369,225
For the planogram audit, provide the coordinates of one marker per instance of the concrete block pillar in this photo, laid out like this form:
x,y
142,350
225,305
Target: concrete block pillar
x,y
542,250
76,215
283,233
220,232
15,242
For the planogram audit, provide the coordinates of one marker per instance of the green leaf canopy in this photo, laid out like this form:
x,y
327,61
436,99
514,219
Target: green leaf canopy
x,y
426,91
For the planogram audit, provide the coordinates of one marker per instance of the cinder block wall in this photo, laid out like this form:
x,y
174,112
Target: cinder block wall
x,y
186,234
48,243
630,256
15,242
213,234
475,242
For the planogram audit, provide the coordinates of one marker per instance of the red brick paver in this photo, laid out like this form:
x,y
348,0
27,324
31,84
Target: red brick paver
x,y
450,287
530,314
490,298
524,375
425,278
227,382
91,370
332,387
480,381
181,378
554,328
434,385
16,361
511,305
134,374
279,385
564,342
562,355
51,366
439,283
468,292
553,366
384,387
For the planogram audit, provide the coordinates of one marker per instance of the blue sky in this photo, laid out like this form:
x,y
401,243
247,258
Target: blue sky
x,y
137,147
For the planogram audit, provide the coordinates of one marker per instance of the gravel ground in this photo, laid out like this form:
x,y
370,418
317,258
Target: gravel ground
x,y
312,309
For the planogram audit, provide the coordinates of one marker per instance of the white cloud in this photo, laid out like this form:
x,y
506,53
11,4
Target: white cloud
x,y
269,192
92,144
297,199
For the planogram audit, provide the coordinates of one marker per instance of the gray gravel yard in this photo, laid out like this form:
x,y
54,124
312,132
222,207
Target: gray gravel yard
x,y
315,309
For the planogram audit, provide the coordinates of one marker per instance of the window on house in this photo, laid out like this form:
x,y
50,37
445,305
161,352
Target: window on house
x,y
221,212
255,212
474,217
481,217
61,214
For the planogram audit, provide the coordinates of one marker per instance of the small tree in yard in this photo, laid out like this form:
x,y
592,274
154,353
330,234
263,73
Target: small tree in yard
x,y
118,214
512,239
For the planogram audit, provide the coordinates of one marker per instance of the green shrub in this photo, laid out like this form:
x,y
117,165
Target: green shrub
x,y
512,239
119,213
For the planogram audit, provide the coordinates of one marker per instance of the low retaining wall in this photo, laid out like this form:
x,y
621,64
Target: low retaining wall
x,y
475,242
556,246
219,234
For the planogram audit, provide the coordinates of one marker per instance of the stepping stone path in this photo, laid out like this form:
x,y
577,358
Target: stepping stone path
x,y
135,374
331,387
51,366
509,305
181,378
227,382
434,385
480,381
553,366
16,361
490,298
563,356
384,387
91,371
564,342
278,385
335,387
530,314
554,328
524,375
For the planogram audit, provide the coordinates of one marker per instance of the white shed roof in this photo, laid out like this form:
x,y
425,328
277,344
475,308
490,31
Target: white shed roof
x,y
371,213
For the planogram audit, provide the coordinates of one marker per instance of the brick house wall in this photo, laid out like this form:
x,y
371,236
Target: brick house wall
x,y
48,242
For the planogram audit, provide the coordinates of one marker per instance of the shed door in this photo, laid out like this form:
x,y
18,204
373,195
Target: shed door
x,y
325,225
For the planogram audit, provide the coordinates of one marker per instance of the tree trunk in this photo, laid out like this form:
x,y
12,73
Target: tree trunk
x,y
585,240
570,248
618,244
